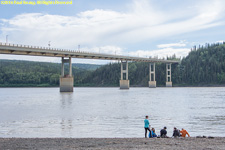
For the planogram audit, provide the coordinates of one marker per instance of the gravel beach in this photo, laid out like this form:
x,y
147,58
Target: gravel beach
x,y
217,143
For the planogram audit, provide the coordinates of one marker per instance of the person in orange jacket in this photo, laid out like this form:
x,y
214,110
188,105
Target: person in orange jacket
x,y
184,133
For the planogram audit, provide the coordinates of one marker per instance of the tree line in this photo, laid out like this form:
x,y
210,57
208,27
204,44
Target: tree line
x,y
204,66
16,73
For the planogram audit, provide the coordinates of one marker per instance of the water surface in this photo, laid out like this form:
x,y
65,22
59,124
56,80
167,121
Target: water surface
x,y
110,112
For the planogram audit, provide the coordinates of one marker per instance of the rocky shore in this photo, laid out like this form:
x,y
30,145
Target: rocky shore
x,y
194,143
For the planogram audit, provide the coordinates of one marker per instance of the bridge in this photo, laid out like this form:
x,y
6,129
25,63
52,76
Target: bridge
x,y
66,81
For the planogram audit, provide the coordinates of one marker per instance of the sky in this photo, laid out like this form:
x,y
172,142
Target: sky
x,y
142,28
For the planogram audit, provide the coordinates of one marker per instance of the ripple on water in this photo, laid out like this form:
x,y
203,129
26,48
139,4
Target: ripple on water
x,y
110,112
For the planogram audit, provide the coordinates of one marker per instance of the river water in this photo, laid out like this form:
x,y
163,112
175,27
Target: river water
x,y
110,112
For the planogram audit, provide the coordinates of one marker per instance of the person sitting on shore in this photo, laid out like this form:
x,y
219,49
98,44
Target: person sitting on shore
x,y
146,126
176,132
184,133
153,133
163,133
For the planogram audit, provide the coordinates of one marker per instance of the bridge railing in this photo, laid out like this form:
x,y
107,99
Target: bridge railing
x,y
49,48
45,48
78,52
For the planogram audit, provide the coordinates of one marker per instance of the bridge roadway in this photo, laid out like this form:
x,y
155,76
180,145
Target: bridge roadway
x,y
66,81
16,49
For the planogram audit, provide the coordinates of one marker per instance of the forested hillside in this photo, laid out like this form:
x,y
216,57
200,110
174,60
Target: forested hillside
x,y
204,66
27,73
109,75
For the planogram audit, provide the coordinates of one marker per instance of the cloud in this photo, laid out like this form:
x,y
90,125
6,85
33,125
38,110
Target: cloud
x,y
110,30
30,58
180,44
179,49
221,41
109,49
108,27
162,53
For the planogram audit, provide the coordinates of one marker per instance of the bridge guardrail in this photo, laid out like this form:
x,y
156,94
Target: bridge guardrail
x,y
89,54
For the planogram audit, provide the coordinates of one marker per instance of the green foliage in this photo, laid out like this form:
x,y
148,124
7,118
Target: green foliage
x,y
204,66
91,67
25,73
109,75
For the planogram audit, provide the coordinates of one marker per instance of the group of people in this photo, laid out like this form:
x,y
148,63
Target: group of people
x,y
163,132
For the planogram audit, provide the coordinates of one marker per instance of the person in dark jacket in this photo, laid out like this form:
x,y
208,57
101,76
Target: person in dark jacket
x,y
176,132
163,133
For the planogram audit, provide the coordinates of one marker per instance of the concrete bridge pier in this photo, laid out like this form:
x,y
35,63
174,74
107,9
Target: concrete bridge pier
x,y
124,84
152,82
168,75
66,81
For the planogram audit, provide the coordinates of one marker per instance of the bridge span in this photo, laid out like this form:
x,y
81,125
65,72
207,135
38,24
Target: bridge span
x,y
66,81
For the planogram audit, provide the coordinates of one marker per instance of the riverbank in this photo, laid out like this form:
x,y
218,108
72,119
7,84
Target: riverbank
x,y
113,143
48,85
101,86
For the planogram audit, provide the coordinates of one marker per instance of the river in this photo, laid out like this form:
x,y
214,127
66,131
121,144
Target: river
x,y
110,112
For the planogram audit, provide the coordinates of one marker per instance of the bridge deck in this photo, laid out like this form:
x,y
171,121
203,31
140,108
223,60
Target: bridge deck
x,y
15,49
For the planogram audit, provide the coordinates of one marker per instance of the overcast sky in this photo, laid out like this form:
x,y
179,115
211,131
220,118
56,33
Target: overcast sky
x,y
127,27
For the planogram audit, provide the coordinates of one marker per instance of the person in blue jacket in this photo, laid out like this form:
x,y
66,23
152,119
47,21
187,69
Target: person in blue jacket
x,y
153,134
146,126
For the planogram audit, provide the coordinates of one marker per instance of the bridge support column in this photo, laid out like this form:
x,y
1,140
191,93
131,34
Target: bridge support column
x,y
66,81
152,82
168,76
124,84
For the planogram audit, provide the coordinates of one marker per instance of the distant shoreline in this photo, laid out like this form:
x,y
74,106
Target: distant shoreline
x,y
107,86
113,143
